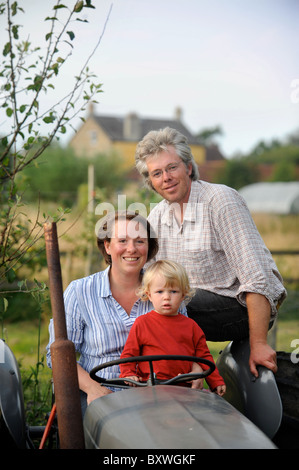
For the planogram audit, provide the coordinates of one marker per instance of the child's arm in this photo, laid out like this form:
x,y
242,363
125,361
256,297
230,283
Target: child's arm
x,y
214,380
197,383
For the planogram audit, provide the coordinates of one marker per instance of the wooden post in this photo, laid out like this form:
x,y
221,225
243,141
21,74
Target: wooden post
x,y
64,367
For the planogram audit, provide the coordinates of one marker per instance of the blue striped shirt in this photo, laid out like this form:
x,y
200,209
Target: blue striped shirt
x,y
96,323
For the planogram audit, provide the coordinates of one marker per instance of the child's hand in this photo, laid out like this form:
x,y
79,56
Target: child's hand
x,y
133,377
197,383
220,390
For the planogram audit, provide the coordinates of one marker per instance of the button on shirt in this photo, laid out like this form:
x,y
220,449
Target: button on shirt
x,y
218,244
96,323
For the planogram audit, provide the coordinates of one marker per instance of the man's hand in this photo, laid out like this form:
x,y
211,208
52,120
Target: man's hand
x,y
262,354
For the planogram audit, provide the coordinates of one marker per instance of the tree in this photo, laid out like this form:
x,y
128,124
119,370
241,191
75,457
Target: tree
x,y
238,172
207,136
27,73
59,172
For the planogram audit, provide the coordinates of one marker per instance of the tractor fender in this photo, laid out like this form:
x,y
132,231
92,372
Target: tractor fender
x,y
12,414
257,398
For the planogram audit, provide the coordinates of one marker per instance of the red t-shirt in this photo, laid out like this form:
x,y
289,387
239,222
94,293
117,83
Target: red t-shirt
x,y
154,333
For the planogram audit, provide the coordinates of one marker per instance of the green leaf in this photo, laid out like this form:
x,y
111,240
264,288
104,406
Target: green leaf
x,y
89,5
9,112
71,35
78,7
59,6
15,31
3,304
7,49
14,7
49,119
4,141
10,275
55,68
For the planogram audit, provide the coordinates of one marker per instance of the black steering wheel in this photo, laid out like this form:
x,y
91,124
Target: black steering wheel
x,y
120,382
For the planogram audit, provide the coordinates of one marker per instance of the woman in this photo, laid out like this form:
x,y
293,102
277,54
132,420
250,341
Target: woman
x,y
101,308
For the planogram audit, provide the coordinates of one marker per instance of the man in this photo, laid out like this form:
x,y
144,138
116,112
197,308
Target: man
x,y
208,229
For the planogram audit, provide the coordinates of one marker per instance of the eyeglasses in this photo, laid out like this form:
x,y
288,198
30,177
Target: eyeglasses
x,y
171,168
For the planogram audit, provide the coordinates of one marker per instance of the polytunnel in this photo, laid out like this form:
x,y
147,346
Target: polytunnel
x,y
275,198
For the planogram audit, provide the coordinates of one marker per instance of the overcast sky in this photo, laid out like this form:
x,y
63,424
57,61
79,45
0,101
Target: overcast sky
x,y
232,63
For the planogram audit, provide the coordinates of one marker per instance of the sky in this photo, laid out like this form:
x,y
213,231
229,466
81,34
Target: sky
x,y
227,63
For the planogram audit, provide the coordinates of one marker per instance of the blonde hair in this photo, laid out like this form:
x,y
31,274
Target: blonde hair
x,y
174,273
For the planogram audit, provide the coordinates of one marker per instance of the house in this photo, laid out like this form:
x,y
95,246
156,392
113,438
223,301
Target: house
x,y
105,134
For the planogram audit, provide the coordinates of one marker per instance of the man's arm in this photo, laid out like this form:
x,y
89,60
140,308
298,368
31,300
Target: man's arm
x,y
259,312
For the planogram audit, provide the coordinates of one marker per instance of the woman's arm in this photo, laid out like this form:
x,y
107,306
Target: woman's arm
x,y
92,388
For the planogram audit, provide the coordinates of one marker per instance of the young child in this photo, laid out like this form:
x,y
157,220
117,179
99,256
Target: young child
x,y
166,331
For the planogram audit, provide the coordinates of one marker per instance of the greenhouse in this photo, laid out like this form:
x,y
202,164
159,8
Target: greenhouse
x,y
275,198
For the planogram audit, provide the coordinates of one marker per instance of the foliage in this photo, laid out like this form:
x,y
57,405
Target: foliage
x,y
207,136
288,153
238,173
284,171
27,73
58,174
282,156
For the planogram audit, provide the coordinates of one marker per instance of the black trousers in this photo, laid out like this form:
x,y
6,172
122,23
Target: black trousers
x,y
221,318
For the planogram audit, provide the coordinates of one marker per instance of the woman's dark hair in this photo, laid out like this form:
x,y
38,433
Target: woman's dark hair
x,y
106,231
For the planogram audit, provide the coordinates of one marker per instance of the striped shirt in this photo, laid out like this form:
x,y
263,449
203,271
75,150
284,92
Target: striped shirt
x,y
218,244
96,323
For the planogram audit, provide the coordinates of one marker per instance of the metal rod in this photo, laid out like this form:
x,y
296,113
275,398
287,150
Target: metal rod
x,y
64,367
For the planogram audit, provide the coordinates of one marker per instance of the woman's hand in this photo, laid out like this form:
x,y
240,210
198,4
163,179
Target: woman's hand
x,y
92,388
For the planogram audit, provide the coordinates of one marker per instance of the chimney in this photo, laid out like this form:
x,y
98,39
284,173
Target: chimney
x,y
178,113
132,127
91,109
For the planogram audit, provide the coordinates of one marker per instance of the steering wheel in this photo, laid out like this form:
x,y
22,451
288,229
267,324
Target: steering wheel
x,y
120,382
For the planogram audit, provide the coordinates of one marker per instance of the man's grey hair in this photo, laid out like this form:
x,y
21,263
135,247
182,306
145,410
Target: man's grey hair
x,y
157,141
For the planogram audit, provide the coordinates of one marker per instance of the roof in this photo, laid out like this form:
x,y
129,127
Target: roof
x,y
114,127
276,198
